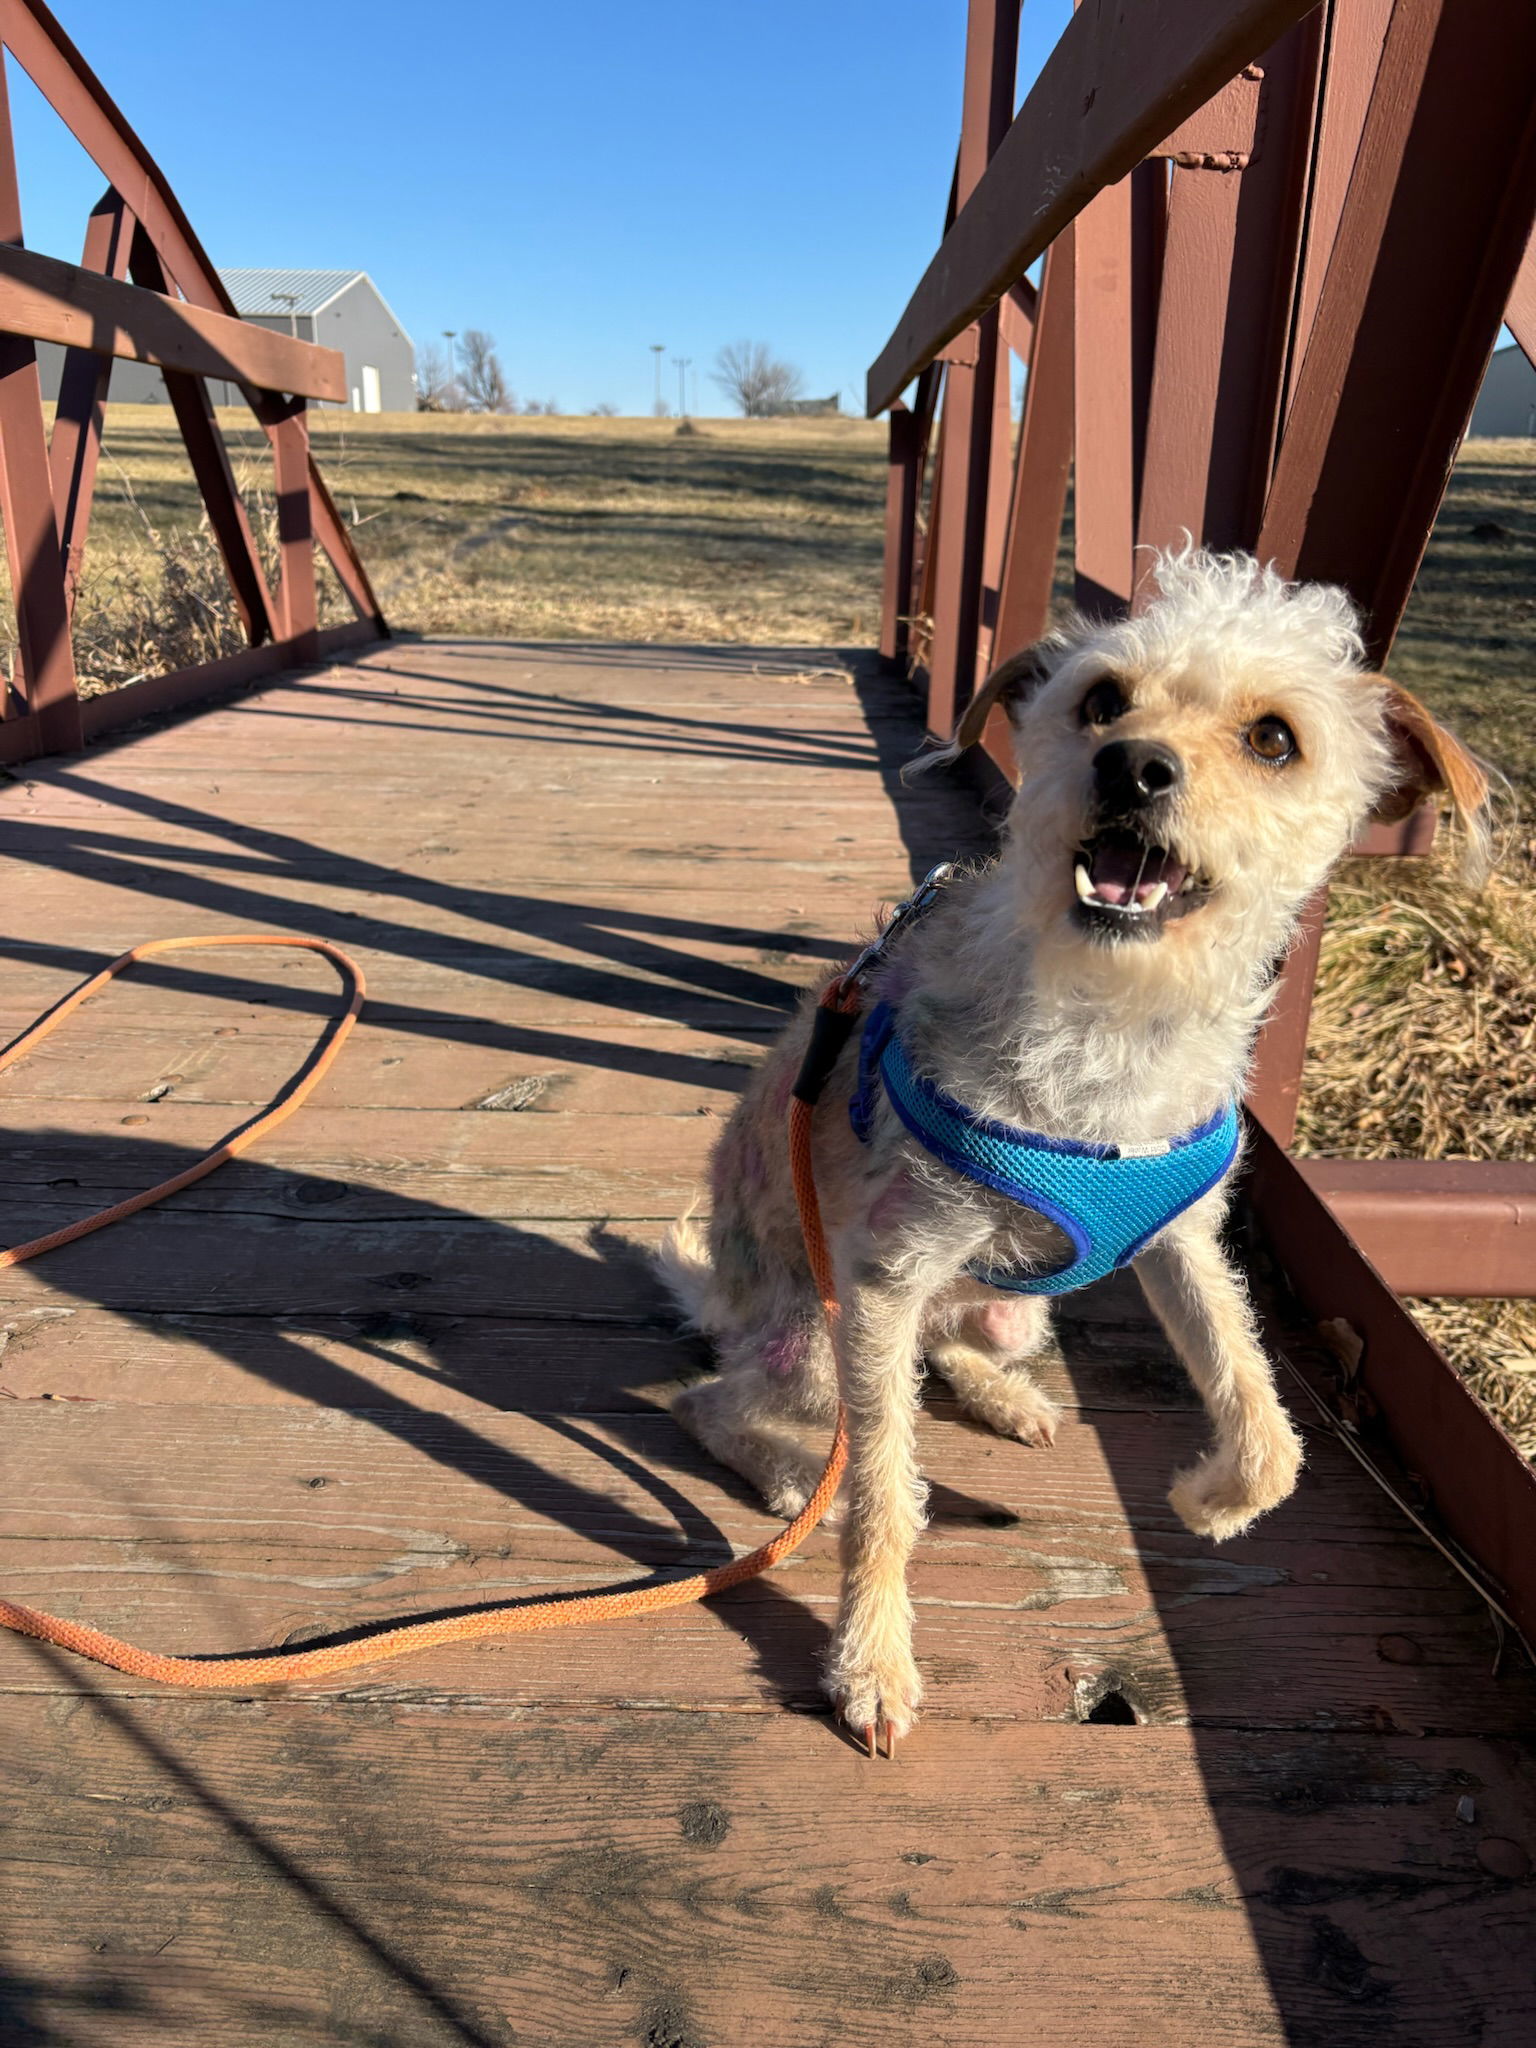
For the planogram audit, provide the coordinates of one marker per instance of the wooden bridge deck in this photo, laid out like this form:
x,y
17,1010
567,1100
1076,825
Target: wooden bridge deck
x,y
410,1355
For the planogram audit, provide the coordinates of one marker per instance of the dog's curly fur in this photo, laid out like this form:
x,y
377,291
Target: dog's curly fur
x,y
1078,1018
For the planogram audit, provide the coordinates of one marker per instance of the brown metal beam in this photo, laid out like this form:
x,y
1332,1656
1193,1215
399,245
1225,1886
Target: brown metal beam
x,y
1461,1227
296,596
1104,99
1353,35
1443,186
1483,1491
1520,314
1280,1050
74,448
1229,275
42,49
32,35
45,664
215,476
991,63
1042,467
52,301
1016,311
1104,444
902,479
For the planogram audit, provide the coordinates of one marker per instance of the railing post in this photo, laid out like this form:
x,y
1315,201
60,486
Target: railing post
x,y
215,477
1043,465
297,601
1455,86
991,58
75,448
901,490
1117,263
1228,287
45,660
1280,1052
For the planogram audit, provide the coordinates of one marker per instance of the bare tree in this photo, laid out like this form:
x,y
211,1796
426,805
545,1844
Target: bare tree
x,y
437,388
755,379
480,372
605,409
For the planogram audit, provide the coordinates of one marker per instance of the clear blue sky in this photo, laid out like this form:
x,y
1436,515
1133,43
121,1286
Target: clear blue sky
x,y
582,180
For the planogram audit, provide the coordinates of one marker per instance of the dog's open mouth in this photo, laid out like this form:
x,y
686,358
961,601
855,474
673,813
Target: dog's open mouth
x,y
1127,886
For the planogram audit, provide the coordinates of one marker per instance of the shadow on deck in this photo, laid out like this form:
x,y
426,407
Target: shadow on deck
x,y
411,1357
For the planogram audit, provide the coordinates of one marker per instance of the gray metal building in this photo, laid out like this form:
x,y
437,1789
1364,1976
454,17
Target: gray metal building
x,y
341,309
1506,405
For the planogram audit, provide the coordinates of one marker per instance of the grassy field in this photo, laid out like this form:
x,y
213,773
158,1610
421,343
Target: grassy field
x,y
766,531
1424,1038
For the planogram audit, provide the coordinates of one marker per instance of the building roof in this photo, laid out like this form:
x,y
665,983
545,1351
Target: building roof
x,y
256,291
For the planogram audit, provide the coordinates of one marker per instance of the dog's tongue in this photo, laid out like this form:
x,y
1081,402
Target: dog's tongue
x,y
1118,866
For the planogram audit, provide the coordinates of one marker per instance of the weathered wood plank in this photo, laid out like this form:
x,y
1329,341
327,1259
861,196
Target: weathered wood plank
x,y
514,986
348,1872
196,1530
55,1350
169,1261
658,1070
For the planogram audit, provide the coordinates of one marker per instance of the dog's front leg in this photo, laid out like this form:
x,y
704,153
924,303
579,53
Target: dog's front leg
x,y
1202,1305
870,1672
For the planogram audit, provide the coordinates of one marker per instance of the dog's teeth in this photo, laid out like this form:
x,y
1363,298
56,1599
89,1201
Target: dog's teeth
x,y
1186,885
1084,882
1154,896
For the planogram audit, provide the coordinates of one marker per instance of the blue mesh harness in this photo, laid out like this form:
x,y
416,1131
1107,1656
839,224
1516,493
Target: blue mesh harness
x,y
1110,1201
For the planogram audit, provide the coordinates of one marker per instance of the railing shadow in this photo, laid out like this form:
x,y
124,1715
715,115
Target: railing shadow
x,y
1319,1799
229,1259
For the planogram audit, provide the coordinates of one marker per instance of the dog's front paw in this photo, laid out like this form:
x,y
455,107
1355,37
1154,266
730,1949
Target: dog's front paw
x,y
877,1692
1221,1495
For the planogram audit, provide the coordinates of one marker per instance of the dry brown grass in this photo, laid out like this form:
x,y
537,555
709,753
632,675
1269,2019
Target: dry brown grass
x,y
770,531
154,595
1423,1039
1423,1045
507,528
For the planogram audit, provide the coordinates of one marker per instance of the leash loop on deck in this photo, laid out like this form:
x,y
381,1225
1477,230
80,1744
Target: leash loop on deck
x,y
514,1618
282,1107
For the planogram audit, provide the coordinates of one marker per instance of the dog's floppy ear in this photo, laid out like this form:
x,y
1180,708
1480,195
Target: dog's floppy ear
x,y
1433,762
1011,682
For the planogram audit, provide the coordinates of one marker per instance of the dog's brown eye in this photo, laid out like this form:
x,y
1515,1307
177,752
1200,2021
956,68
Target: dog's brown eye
x,y
1104,703
1271,739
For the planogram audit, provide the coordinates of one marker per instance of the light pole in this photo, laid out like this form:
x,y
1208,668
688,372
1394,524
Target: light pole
x,y
290,300
680,364
658,350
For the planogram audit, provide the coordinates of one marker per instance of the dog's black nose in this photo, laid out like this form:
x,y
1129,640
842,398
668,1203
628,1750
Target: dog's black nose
x,y
1130,774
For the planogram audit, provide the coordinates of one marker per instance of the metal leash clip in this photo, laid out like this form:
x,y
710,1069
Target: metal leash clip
x,y
922,896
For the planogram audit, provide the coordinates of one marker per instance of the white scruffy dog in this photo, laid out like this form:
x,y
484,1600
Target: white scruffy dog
x,y
1189,778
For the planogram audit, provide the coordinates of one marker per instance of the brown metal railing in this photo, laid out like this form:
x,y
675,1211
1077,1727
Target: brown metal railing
x,y
1278,240
144,291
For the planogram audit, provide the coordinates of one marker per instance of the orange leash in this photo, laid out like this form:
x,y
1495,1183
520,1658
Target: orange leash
x,y
246,1136
516,1618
